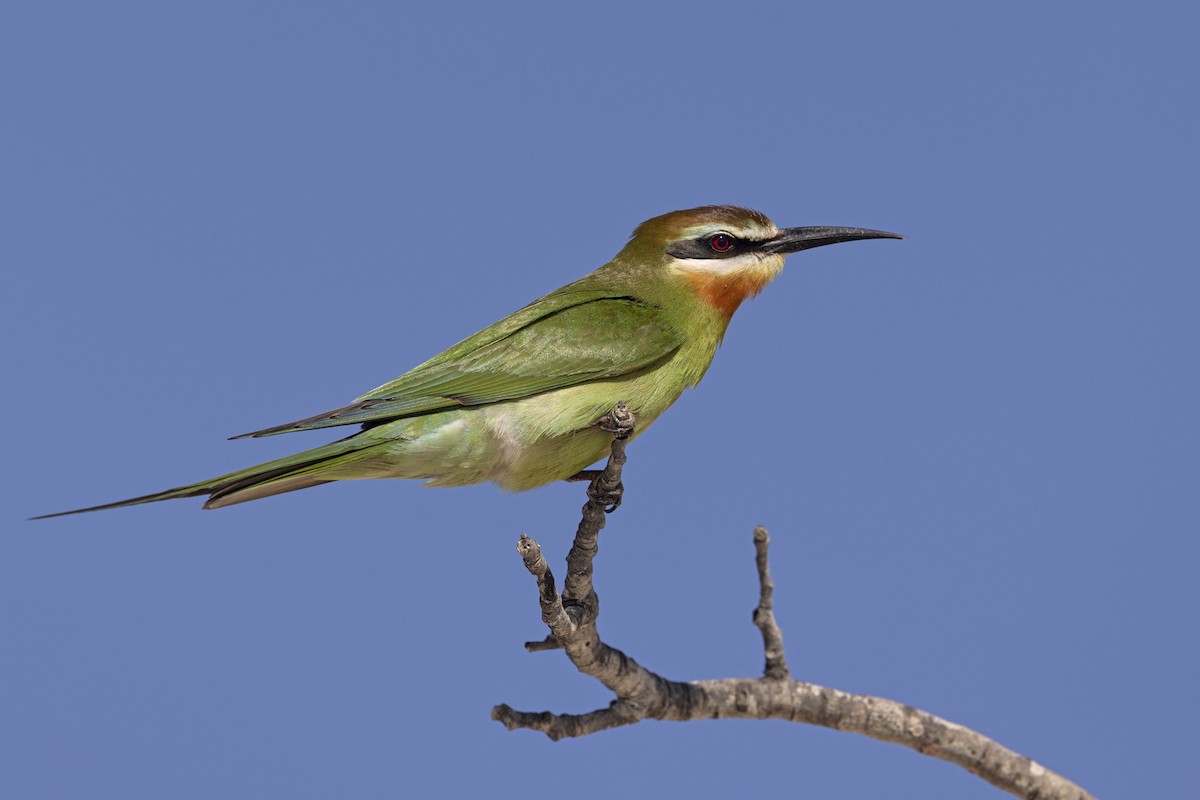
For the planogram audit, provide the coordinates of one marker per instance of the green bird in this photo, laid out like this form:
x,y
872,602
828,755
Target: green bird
x,y
518,403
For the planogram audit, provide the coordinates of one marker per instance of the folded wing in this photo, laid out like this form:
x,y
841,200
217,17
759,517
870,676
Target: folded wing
x,y
564,339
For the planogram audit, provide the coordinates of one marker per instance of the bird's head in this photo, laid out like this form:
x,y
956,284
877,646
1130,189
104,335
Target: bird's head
x,y
727,254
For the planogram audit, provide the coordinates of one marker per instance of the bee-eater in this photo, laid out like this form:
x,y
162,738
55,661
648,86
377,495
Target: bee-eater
x,y
518,402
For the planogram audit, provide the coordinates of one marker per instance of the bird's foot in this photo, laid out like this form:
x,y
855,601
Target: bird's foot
x,y
605,485
607,494
600,491
619,421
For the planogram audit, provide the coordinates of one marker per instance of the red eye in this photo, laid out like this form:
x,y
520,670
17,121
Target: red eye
x,y
720,243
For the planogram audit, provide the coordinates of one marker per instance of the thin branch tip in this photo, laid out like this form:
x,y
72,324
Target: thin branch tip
x,y
775,665
551,642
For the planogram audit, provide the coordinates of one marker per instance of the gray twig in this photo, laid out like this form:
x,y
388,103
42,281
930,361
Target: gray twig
x,y
764,615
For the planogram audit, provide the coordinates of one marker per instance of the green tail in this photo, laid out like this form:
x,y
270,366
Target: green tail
x,y
274,477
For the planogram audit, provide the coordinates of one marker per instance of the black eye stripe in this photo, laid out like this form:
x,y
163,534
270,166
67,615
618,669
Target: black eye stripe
x,y
711,245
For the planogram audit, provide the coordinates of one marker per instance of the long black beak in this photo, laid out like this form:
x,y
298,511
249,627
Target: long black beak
x,y
793,240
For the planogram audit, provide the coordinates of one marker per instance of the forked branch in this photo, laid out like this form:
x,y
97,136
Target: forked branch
x,y
641,694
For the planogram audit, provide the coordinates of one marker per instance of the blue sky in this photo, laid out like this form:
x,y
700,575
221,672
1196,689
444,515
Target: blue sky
x,y
976,449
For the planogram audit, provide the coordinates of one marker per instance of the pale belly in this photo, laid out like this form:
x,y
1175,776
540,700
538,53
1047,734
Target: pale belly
x,y
518,445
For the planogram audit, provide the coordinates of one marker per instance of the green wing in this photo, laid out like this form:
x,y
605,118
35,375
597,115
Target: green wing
x,y
566,338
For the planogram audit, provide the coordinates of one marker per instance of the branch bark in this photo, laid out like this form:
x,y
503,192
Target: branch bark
x,y
641,694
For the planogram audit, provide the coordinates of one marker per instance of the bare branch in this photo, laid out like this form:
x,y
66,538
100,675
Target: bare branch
x,y
641,694
553,613
764,616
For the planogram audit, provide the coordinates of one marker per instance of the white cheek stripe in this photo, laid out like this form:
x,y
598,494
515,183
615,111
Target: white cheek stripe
x,y
718,266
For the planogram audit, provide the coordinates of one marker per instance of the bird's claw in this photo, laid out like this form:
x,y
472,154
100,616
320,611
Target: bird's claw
x,y
606,494
619,422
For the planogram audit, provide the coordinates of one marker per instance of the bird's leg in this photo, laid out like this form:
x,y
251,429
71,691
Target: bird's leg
x,y
605,484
